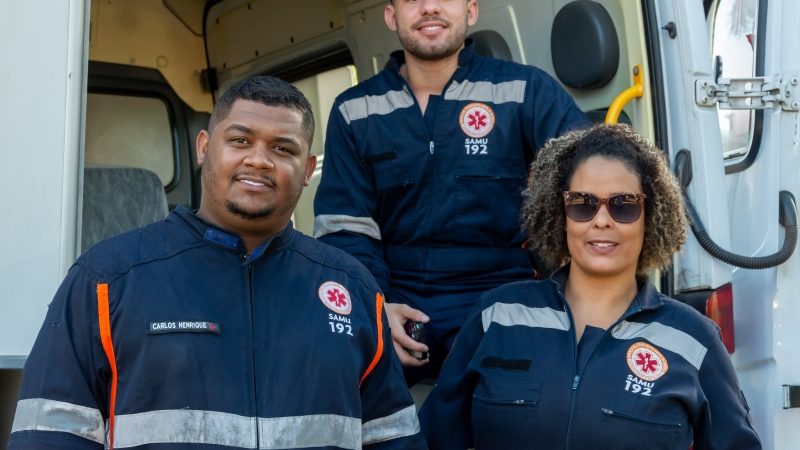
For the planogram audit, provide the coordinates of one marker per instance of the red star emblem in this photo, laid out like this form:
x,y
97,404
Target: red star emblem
x,y
337,298
476,120
646,362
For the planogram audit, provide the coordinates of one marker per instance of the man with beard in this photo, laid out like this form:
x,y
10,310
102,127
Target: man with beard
x,y
224,326
424,168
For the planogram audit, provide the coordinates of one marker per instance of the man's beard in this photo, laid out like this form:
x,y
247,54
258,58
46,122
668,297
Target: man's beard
x,y
262,213
209,179
425,53
246,214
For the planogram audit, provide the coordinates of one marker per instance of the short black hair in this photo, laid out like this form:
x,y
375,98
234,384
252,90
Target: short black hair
x,y
269,91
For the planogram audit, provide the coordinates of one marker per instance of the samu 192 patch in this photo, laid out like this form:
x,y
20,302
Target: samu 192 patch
x,y
335,297
646,362
476,119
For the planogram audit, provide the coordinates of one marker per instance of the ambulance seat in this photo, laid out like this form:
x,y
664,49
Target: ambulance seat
x,y
118,199
491,43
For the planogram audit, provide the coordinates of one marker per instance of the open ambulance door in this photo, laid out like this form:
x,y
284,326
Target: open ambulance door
x,y
42,88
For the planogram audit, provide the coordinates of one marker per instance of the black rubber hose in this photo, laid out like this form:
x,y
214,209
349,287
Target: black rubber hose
x,y
788,218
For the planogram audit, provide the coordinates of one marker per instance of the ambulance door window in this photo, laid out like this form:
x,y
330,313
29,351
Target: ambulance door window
x,y
130,131
733,41
321,90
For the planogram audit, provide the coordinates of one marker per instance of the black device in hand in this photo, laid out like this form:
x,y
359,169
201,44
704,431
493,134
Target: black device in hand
x,y
416,330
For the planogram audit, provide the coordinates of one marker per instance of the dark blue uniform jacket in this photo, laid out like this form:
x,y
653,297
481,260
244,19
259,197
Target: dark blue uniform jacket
x,y
660,378
215,349
431,203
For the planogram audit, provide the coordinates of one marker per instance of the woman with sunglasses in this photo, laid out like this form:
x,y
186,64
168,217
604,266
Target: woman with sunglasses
x,y
592,357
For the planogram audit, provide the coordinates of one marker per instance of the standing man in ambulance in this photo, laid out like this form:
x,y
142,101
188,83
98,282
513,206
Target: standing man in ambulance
x,y
424,168
222,327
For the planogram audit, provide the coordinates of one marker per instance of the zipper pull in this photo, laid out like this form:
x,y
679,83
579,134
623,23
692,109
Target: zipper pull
x,y
575,382
431,147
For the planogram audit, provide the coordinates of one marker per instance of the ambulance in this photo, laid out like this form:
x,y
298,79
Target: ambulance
x,y
100,102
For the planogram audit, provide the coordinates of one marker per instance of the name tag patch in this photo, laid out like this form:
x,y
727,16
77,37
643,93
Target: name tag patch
x,y
184,326
516,365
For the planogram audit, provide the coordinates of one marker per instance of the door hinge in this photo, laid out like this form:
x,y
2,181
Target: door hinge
x,y
791,396
749,93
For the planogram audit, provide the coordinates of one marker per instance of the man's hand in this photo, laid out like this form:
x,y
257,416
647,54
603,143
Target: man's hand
x,y
398,314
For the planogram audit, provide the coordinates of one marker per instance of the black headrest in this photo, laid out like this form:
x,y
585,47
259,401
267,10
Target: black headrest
x,y
584,45
491,43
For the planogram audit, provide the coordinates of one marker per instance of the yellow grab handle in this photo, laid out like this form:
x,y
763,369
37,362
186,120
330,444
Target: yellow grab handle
x,y
635,91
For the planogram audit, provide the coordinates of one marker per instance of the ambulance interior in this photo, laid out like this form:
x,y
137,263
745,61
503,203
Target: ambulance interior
x,y
156,66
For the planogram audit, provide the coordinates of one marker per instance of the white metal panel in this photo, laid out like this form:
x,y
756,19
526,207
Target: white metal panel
x,y
767,306
242,31
784,36
371,54
697,129
42,86
502,20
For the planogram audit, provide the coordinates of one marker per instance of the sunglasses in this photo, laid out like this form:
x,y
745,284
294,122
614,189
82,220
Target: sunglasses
x,y
623,208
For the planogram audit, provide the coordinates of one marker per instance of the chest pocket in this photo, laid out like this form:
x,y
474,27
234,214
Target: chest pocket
x,y
505,404
388,171
488,195
507,388
660,422
469,170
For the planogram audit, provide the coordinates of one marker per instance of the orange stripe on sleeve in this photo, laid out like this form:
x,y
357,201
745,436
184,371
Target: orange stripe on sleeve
x,y
104,320
379,351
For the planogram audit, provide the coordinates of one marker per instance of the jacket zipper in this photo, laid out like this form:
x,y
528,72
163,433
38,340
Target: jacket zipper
x,y
613,413
518,402
429,135
253,347
576,380
431,145
407,90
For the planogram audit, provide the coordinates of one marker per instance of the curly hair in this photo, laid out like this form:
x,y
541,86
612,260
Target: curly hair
x,y
543,214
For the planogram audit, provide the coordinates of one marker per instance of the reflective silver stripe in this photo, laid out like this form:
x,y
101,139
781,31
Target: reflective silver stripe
x,y
185,426
400,424
664,336
363,107
331,223
50,415
510,314
320,430
486,91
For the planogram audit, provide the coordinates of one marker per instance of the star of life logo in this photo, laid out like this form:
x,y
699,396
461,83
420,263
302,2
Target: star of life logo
x,y
477,120
646,362
334,296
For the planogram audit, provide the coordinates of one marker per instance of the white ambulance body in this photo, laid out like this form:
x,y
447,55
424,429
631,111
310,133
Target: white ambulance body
x,y
86,85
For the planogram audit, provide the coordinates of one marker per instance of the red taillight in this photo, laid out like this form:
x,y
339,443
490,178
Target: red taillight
x,y
719,308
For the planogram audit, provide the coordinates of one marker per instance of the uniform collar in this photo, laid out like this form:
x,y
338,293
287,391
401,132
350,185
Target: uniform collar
x,y
221,238
398,57
647,297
